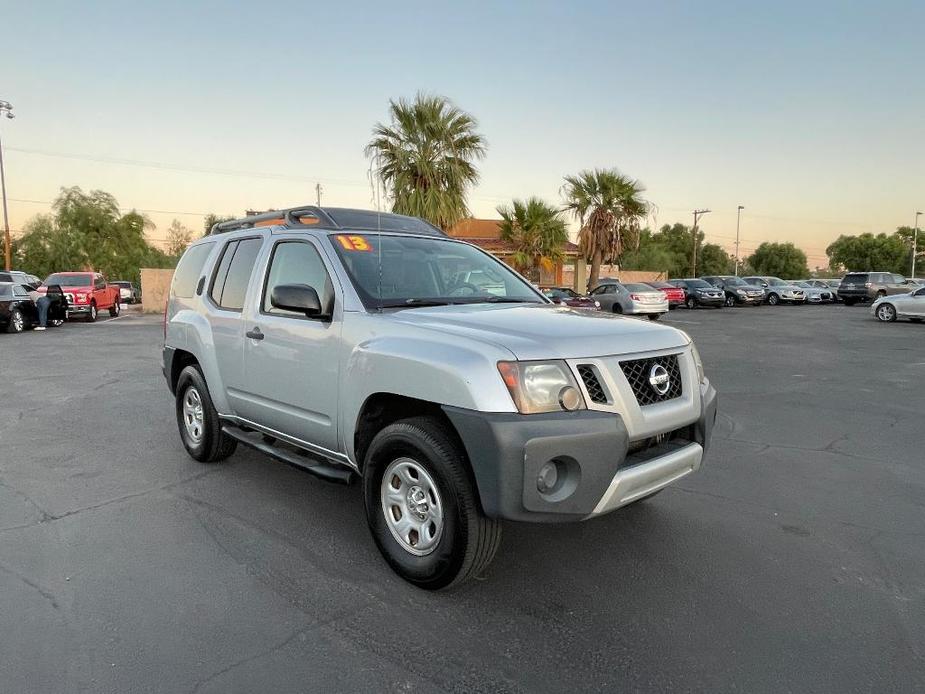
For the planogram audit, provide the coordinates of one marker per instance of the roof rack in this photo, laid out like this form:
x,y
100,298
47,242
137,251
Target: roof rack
x,y
334,218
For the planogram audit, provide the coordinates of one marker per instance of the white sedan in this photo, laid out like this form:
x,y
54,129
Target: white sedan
x,y
911,306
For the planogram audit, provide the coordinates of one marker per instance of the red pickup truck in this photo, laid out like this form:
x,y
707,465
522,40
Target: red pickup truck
x,y
87,293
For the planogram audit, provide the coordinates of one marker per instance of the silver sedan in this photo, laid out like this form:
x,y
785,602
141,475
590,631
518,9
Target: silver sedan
x,y
631,299
911,306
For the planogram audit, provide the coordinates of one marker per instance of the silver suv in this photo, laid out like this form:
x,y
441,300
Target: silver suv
x,y
356,345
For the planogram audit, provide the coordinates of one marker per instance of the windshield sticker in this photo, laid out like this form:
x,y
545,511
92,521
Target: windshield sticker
x,y
354,243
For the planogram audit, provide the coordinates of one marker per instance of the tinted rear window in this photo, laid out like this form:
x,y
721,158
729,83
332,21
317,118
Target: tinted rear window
x,y
188,270
66,280
855,279
230,287
638,287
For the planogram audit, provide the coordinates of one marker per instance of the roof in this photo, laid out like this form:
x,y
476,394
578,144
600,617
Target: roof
x,y
335,218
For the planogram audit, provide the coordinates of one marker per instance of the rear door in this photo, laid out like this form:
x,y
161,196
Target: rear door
x,y
227,289
25,304
291,361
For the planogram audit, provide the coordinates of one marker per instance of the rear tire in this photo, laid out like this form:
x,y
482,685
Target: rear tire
x,y
431,488
617,308
17,322
115,309
655,316
197,419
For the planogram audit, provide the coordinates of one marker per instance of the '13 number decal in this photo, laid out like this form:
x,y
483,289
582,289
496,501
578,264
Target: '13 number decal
x,y
354,243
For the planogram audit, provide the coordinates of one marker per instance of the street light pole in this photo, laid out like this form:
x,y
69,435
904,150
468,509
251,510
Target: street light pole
x,y
738,218
697,215
915,241
5,109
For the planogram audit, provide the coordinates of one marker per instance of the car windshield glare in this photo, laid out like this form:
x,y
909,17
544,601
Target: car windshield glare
x,y
392,271
66,280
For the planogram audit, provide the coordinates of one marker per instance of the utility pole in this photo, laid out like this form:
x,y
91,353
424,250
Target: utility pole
x,y
318,194
5,109
738,218
915,241
697,215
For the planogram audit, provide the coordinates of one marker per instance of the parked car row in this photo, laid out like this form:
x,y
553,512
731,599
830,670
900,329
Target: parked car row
x,y
652,299
72,293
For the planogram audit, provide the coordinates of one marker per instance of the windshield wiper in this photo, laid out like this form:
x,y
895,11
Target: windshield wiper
x,y
493,299
414,302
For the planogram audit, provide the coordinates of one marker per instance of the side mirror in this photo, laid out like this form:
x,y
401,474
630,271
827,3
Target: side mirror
x,y
300,298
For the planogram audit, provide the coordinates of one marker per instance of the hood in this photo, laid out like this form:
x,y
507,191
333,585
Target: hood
x,y
543,331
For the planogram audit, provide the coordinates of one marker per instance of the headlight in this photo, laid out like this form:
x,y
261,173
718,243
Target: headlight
x,y
597,304
740,292
541,386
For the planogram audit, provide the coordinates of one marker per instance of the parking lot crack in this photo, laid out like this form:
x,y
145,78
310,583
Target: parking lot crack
x,y
44,592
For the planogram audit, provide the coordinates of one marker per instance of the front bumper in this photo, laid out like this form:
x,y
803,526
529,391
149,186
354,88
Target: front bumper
x,y
507,452
78,308
746,299
710,300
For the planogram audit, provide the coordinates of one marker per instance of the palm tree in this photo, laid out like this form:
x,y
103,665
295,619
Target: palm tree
x,y
425,158
537,232
609,207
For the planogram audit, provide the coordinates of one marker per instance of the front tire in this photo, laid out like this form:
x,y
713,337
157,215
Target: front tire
x,y
691,303
730,301
422,507
197,419
91,316
886,313
773,299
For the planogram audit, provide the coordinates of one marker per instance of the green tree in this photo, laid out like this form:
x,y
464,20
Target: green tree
x,y
537,232
178,238
425,157
782,260
86,231
907,234
609,207
883,252
712,259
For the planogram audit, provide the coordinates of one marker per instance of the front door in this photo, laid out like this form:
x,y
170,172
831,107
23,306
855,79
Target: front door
x,y
291,360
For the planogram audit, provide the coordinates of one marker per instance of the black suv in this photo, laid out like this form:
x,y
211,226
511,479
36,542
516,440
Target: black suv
x,y
737,290
699,293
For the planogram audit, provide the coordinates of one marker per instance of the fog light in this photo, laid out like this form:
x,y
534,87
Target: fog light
x,y
569,398
548,477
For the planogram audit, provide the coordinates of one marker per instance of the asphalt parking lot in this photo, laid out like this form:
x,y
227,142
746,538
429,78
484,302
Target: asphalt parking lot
x,y
795,561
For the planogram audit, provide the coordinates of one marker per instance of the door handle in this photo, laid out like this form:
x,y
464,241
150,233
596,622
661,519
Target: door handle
x,y
255,334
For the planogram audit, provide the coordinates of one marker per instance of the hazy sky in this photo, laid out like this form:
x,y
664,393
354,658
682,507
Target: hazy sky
x,y
811,114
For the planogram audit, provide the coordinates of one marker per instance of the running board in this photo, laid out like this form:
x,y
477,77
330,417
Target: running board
x,y
315,466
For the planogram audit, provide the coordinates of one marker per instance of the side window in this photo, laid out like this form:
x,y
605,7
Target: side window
x,y
234,272
98,282
899,279
920,292
19,291
296,262
189,269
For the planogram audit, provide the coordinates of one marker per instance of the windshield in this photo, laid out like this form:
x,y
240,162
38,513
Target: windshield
x,y
774,282
66,280
735,282
699,284
426,271
802,284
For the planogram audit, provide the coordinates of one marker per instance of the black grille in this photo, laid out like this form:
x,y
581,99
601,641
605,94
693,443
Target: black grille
x,y
593,385
637,373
